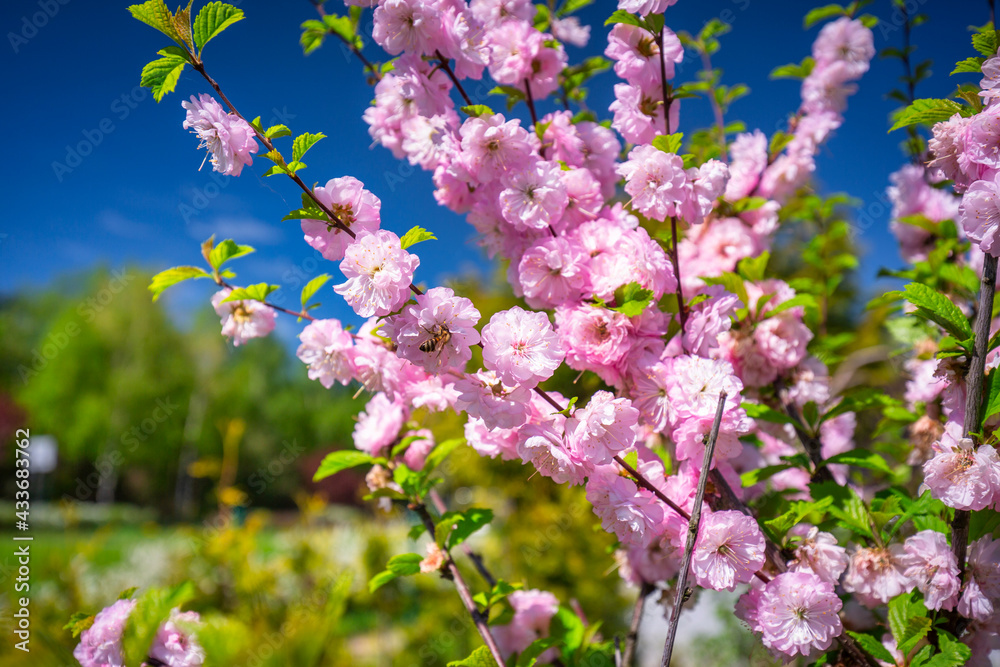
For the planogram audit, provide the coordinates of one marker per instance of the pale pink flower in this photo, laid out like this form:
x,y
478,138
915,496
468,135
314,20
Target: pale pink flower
x,y
174,645
407,25
434,560
378,273
595,339
521,346
570,31
499,405
543,445
819,553
631,514
645,7
782,340
354,206
604,428
495,442
697,382
416,453
229,138
706,184
648,385
437,332
637,55
552,272
729,550
797,613
963,477
101,644
876,575
929,562
244,319
847,41
747,161
600,154
535,196
491,146
379,425
655,180
638,113
708,318
326,348
981,595
979,215
533,612
947,146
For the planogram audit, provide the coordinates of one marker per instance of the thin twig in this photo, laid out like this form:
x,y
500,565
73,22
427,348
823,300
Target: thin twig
x,y
451,75
692,536
304,315
368,65
633,629
663,83
476,558
675,258
463,589
720,125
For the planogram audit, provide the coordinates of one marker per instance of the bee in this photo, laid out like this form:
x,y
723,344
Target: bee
x,y
440,335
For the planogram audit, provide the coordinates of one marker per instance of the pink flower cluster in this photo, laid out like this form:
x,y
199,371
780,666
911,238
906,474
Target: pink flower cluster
x,y
174,645
243,319
229,138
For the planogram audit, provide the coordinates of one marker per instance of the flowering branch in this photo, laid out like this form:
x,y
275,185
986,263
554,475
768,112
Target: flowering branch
x,y
368,65
451,75
693,522
463,589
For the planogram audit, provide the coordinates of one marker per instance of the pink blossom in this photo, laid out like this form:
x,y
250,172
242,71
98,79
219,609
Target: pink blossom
x,y
570,31
635,257
407,25
378,426
543,445
708,318
981,595
782,340
437,332
491,146
963,477
585,199
947,146
912,195
645,7
378,273
101,644
326,348
499,405
521,346
600,154
648,391
979,215
416,453
533,612
877,575
519,53
929,562
427,141
638,113
696,383
729,550
818,552
535,196
990,83
353,205
625,510
552,272
229,138
847,41
463,41
594,338
563,138
604,428
747,161
491,442
244,319
637,55
655,180
174,645
797,613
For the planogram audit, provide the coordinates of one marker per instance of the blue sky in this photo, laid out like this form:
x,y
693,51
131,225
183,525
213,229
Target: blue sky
x,y
71,69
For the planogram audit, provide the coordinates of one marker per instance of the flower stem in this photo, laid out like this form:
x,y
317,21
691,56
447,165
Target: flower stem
x,y
451,75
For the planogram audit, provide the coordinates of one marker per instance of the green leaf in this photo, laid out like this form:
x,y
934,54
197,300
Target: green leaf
x,y
226,251
568,627
752,268
334,462
758,475
151,609
670,143
256,292
927,111
380,580
971,65
212,20
780,525
991,395
621,16
765,413
477,110
155,14
127,593
161,76
404,565
277,131
344,27
938,308
455,527
416,235
908,620
983,522
733,284
529,656
806,300
822,13
440,452
873,647
303,143
861,458
170,277
79,622
570,6
312,287
481,657
793,70
953,652
632,299
985,41
845,505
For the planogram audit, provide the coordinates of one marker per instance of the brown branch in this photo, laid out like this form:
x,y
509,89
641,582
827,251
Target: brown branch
x,y
692,536
476,558
304,315
663,83
633,629
675,258
368,65
451,75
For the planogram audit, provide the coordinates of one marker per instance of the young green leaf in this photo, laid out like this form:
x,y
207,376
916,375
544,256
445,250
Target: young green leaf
x,y
861,458
79,622
670,143
453,528
971,65
570,6
481,657
477,110
277,131
622,16
303,143
170,277
752,268
908,621
938,308
632,299
926,111
155,14
226,251
416,235
256,292
873,647
765,413
212,20
985,41
161,75
334,462
312,287
821,14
